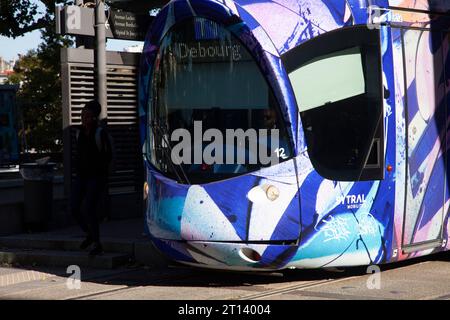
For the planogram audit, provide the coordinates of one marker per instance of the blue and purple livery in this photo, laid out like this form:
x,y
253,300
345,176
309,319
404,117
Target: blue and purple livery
x,y
360,91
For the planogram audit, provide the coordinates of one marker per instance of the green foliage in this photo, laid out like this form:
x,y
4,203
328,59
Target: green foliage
x,y
18,17
40,101
38,74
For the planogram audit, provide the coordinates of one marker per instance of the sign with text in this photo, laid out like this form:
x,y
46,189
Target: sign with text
x,y
129,26
80,21
210,51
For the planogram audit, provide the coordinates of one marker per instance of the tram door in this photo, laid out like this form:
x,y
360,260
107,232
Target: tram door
x,y
425,118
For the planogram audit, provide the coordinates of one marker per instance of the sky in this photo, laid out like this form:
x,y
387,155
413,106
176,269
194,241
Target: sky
x,y
10,48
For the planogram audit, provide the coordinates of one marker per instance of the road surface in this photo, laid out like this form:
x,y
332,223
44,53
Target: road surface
x,y
424,278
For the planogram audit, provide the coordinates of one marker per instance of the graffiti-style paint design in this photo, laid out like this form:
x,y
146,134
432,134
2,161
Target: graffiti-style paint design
x,y
316,222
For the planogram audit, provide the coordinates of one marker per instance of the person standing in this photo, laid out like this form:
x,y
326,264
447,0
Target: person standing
x,y
92,161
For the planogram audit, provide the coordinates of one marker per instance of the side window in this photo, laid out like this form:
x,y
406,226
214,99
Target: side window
x,y
337,82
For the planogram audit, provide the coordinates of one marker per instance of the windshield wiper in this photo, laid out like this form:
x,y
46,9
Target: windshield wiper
x,y
167,151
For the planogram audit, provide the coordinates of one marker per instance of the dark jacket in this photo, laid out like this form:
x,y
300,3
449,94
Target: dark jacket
x,y
93,153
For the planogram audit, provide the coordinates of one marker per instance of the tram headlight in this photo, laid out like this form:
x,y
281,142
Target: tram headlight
x,y
272,193
261,194
145,190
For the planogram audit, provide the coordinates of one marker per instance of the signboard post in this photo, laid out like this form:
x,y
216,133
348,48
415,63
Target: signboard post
x,y
100,58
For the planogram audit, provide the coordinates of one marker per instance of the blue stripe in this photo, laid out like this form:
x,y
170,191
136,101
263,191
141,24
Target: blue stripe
x,y
288,228
231,198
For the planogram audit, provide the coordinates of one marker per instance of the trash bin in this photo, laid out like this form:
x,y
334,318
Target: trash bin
x,y
38,195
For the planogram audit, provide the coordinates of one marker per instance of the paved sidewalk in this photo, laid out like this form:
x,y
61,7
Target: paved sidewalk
x,y
122,240
132,229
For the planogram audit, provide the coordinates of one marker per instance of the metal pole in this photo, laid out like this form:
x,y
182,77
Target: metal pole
x,y
100,55
79,40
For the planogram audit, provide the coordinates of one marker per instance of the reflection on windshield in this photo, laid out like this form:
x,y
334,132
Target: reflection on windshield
x,y
203,74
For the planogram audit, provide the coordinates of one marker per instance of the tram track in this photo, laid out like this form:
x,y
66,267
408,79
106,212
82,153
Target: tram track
x,y
128,288
175,278
295,287
267,290
101,293
265,294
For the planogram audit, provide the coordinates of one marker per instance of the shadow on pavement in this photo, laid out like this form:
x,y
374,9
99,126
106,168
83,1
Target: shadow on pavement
x,y
182,276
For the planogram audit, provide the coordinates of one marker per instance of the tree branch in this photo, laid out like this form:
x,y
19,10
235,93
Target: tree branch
x,y
17,31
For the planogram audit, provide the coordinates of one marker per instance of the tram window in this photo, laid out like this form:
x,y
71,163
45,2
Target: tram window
x,y
204,74
316,90
336,79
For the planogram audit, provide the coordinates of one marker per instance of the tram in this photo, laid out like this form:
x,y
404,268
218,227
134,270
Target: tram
x,y
359,93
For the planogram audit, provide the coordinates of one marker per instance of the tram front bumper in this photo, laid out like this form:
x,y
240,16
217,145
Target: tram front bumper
x,y
228,255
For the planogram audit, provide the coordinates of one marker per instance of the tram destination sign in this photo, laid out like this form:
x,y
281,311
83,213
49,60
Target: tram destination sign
x,y
210,51
79,21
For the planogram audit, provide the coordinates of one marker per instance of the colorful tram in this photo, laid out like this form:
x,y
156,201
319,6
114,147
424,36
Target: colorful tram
x,y
360,93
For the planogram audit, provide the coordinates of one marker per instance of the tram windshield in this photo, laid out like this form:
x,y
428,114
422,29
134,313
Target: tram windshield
x,y
207,93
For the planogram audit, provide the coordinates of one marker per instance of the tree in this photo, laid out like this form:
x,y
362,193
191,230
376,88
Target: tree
x,y
37,72
40,101
18,17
